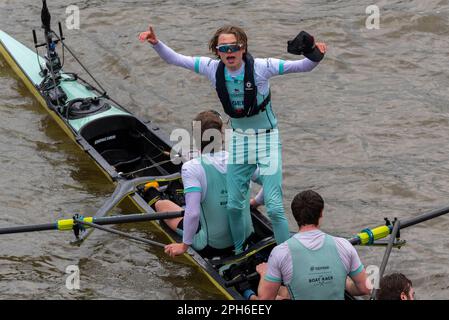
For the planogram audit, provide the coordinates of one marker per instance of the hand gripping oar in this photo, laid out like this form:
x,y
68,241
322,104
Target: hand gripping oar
x,y
69,224
368,236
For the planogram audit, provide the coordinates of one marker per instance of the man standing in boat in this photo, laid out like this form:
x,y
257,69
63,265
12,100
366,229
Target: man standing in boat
x,y
242,85
205,225
312,264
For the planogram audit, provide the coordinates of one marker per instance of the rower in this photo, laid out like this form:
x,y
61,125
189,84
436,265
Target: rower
x,y
312,264
395,286
243,88
205,225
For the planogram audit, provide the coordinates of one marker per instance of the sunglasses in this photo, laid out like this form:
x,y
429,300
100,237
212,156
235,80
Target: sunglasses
x,y
226,48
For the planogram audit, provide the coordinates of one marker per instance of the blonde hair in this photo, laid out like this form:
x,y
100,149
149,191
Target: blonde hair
x,y
237,31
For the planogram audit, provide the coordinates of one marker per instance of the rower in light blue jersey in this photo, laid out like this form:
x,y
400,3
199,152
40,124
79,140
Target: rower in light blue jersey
x,y
312,264
243,88
205,225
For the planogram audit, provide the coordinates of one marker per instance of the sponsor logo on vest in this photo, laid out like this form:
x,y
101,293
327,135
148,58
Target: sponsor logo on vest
x,y
321,280
313,268
249,86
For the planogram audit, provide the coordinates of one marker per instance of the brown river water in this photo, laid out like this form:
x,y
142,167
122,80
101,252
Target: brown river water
x,y
368,129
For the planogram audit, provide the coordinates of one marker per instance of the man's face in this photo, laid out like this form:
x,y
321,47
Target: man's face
x,y
232,60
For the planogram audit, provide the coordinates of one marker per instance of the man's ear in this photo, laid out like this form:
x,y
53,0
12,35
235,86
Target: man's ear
x,y
403,296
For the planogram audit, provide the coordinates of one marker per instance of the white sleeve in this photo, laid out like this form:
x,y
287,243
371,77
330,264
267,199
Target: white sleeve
x,y
270,67
172,57
256,178
207,67
193,177
304,65
201,65
191,216
280,266
259,198
349,256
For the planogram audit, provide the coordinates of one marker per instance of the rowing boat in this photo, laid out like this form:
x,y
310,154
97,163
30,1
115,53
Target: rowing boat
x,y
132,152
129,150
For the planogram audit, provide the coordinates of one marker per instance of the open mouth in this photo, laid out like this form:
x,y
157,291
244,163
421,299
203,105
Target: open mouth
x,y
231,59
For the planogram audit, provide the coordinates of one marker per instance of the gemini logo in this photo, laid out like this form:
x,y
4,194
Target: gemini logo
x,y
72,282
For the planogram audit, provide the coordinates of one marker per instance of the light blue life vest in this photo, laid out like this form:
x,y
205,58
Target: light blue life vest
x,y
263,120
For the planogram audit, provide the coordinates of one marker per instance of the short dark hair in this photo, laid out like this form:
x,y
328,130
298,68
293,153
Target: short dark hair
x,y
391,287
209,119
307,207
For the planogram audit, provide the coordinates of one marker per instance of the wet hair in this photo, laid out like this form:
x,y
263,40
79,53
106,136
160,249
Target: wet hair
x,y
209,119
307,207
228,29
391,287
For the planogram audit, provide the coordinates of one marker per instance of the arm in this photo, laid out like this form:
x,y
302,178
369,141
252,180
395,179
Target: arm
x,y
201,65
267,290
258,199
174,58
166,53
303,65
272,67
356,284
190,225
193,177
272,274
354,267
191,217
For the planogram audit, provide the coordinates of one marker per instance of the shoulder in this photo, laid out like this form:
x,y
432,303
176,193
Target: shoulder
x,y
207,63
218,159
280,252
344,246
191,167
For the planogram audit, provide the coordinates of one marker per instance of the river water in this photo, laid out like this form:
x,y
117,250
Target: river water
x,y
367,129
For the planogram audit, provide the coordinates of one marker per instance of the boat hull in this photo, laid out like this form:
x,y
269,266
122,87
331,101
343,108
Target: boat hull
x,y
20,58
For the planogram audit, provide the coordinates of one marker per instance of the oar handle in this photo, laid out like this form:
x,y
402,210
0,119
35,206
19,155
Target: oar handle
x,y
139,217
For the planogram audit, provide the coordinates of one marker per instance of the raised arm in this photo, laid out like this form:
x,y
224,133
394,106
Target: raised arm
x,y
201,65
166,53
270,67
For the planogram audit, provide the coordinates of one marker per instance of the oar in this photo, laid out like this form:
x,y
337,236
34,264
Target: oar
x,y
368,236
383,265
69,224
123,189
120,233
